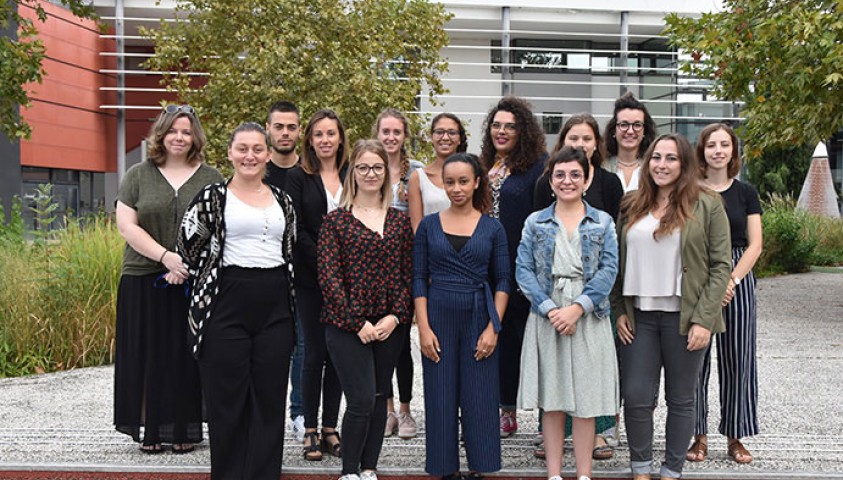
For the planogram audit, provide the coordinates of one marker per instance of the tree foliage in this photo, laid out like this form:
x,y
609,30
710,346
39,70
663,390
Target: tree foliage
x,y
783,58
780,171
354,56
21,58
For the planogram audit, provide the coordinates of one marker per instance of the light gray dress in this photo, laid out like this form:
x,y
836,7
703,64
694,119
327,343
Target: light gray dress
x,y
576,374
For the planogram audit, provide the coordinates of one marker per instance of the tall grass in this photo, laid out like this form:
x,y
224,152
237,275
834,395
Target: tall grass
x,y
58,297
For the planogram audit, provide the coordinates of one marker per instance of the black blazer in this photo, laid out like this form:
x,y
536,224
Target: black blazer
x,y
311,205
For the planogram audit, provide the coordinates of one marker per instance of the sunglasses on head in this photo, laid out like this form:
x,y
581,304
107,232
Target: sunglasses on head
x,y
179,109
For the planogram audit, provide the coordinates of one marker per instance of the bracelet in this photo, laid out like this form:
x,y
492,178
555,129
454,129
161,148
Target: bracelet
x,y
161,260
397,322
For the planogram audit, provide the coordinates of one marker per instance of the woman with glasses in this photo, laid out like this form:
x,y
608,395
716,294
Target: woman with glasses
x,y
674,266
461,285
628,135
717,154
513,152
157,395
426,190
566,266
237,239
316,188
393,131
365,270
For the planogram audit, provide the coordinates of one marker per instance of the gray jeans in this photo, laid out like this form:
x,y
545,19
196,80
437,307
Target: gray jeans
x,y
658,345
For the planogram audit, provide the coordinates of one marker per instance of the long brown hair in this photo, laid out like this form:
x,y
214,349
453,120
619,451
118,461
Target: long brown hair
x,y
734,162
638,203
309,161
588,119
530,146
405,162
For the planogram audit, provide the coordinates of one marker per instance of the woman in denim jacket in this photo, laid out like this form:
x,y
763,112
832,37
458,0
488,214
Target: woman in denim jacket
x,y
568,363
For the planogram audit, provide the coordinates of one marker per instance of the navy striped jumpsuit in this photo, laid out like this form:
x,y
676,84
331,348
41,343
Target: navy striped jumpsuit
x,y
460,301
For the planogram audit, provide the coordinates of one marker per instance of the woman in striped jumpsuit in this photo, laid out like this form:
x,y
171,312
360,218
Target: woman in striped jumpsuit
x,y
717,152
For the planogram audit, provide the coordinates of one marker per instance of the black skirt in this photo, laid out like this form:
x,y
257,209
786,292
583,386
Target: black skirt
x,y
156,379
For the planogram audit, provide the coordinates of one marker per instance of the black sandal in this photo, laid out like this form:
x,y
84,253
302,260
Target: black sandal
x,y
311,448
152,449
180,448
334,449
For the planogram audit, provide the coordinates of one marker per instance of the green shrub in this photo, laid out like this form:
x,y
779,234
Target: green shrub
x,y
829,233
58,298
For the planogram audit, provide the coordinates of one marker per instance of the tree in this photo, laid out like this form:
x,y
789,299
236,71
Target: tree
x,y
780,170
21,57
783,58
354,56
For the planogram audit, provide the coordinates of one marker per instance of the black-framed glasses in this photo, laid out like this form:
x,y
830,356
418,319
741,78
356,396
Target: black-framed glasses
x,y
636,126
364,170
506,127
180,109
560,176
441,132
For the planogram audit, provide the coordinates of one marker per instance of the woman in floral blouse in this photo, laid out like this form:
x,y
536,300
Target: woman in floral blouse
x,y
365,265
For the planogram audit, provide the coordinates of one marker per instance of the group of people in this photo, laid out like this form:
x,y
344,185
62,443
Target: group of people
x,y
562,282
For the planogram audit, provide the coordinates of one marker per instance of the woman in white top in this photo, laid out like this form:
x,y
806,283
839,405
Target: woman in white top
x,y
393,130
426,190
237,239
628,134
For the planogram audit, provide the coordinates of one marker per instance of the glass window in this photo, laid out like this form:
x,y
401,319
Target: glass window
x,y
551,122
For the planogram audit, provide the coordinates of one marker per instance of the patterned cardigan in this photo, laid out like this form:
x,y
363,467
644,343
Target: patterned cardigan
x,y
201,241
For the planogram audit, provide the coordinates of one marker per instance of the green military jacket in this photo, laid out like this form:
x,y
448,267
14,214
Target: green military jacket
x,y
706,267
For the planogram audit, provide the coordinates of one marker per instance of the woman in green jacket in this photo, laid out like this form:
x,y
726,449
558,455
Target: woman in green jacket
x,y
674,267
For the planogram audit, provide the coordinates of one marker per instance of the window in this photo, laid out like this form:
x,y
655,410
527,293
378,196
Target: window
x,y
551,122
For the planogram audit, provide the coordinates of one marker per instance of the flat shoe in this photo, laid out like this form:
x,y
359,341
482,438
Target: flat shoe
x,y
604,451
181,448
153,449
698,451
739,453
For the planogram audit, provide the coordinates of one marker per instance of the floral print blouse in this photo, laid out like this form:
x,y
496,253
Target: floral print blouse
x,y
363,275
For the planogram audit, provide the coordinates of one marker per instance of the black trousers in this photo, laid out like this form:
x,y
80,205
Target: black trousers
x,y
509,344
404,371
318,374
365,372
244,364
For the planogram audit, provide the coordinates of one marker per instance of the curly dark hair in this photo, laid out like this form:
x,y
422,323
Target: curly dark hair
x,y
628,101
530,146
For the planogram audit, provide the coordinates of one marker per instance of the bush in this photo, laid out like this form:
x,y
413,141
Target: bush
x,y
796,239
58,297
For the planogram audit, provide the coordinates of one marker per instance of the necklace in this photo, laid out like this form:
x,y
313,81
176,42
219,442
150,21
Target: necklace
x,y
366,210
628,164
719,186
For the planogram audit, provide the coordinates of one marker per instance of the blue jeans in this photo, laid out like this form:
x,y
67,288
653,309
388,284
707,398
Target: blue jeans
x,y
295,373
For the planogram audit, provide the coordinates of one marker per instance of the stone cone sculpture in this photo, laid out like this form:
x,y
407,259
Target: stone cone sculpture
x,y
818,195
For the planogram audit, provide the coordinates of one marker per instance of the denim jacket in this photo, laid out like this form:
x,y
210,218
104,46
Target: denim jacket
x,y
534,264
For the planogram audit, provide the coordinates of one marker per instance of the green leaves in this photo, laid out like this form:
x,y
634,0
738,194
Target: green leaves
x,y
354,56
783,58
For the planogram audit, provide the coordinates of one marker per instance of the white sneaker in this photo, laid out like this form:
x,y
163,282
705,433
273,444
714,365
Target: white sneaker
x,y
297,427
391,426
368,475
350,476
555,477
584,477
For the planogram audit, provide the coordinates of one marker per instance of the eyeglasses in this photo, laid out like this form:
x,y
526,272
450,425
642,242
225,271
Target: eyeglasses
x,y
441,132
574,176
506,127
636,126
364,170
180,109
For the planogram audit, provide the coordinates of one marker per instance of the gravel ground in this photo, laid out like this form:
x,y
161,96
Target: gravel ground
x,y
63,420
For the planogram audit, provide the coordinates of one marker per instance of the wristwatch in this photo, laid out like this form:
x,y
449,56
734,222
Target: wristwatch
x,y
737,280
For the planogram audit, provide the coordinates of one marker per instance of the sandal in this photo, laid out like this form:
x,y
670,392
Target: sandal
x,y
739,453
151,449
331,448
698,451
604,451
311,448
180,448
539,452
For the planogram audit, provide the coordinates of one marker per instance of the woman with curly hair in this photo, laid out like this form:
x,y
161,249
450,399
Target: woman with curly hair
x,y
628,134
513,152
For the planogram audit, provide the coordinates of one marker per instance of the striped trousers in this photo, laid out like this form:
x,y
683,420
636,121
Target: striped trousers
x,y
736,365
